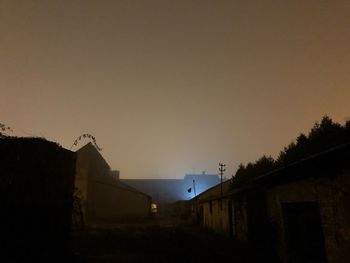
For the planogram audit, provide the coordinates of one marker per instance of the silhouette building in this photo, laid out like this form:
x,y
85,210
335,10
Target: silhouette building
x,y
172,190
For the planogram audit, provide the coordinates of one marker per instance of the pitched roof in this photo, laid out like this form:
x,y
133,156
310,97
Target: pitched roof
x,y
130,188
91,149
212,192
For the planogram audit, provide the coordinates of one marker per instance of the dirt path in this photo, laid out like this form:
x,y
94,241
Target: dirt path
x,y
158,240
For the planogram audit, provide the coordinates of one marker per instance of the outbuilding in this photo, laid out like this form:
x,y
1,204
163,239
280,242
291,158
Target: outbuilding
x,y
101,195
299,213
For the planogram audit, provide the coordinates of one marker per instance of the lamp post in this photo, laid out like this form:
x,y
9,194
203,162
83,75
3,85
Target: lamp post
x,y
195,206
194,188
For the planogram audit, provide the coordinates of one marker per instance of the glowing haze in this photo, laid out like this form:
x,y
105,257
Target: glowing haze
x,y
173,87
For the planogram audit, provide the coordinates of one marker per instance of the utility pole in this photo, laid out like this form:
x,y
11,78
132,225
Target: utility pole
x,y
221,172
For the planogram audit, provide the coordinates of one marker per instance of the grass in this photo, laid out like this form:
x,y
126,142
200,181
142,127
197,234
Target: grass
x,y
158,240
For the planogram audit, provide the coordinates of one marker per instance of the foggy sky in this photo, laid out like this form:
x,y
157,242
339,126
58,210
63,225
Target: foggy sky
x,y
173,87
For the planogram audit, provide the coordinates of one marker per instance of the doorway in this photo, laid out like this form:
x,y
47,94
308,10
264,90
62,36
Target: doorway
x,y
304,235
230,218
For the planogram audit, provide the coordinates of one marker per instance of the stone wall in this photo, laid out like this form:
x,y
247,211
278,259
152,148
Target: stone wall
x,y
332,196
36,189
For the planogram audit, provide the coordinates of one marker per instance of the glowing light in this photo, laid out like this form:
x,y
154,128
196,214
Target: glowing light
x,y
154,208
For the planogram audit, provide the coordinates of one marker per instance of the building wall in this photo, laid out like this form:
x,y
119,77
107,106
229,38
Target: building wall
x,y
320,190
250,223
218,218
82,184
211,213
110,201
333,197
240,218
102,195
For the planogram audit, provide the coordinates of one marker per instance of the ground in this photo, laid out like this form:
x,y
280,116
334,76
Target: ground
x,y
156,240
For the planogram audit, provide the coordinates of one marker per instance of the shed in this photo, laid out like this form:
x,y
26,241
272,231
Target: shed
x,y
298,213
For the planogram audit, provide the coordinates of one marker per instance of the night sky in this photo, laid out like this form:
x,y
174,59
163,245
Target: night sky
x,y
174,87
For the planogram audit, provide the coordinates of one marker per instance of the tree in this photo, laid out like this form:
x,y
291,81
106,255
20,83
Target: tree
x,y
322,136
4,130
